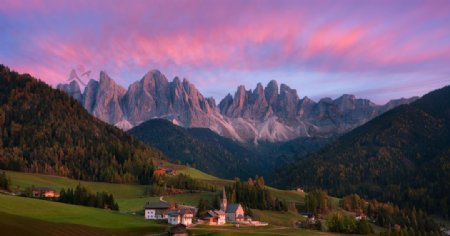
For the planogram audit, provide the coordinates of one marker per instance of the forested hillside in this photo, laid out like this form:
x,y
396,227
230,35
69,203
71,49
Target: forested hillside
x,y
402,156
43,130
221,156
198,147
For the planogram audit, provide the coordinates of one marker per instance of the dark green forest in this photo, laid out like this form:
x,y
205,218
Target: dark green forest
x,y
81,196
43,130
199,148
402,156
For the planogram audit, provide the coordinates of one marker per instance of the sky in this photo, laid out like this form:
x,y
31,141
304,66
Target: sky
x,y
379,50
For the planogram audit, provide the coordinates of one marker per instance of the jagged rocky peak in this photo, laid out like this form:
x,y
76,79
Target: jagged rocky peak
x,y
72,89
346,102
271,92
287,102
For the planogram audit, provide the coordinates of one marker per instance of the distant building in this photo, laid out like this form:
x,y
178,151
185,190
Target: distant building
x,y
164,171
233,212
158,210
181,216
44,192
216,217
360,216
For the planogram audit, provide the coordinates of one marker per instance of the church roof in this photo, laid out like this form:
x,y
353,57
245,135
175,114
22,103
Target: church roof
x,y
232,208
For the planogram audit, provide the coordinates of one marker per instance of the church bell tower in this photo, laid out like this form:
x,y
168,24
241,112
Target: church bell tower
x,y
223,201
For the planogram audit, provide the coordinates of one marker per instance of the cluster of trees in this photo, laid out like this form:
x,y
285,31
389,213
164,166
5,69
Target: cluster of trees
x,y
164,185
5,182
340,223
203,207
81,196
318,201
389,215
43,130
254,194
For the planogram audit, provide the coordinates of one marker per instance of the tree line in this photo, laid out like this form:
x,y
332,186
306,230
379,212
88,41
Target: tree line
x,y
254,194
340,223
391,216
5,182
81,196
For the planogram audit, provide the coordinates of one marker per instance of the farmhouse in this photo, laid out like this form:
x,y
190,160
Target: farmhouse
x,y
158,210
181,216
233,212
45,192
164,171
216,217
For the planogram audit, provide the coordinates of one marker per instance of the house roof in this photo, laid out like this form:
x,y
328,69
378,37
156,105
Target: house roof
x,y
157,205
232,208
182,211
216,213
219,212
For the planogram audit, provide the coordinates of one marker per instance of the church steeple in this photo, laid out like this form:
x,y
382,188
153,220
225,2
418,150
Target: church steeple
x,y
223,201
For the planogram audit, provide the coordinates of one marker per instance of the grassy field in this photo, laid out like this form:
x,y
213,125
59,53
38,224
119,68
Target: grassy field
x,y
287,219
136,204
24,180
72,214
131,197
251,230
289,195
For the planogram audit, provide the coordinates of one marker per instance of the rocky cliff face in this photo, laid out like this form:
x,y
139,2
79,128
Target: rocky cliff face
x,y
272,113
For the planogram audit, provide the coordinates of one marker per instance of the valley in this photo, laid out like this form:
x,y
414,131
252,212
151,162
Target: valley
x,y
157,160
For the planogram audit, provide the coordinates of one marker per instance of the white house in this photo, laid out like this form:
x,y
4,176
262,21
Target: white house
x,y
216,217
157,210
180,216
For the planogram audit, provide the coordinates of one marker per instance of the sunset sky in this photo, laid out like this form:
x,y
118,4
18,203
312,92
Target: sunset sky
x,y
374,49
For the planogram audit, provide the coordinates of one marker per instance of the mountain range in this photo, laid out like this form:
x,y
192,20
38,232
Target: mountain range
x,y
265,114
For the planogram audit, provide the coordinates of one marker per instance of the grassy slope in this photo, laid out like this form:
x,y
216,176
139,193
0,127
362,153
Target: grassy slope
x,y
287,219
250,230
13,225
72,214
24,180
131,197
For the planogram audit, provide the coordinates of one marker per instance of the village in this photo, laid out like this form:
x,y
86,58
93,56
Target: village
x,y
184,215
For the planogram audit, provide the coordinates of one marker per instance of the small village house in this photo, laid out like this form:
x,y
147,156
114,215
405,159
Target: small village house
x,y
181,216
216,217
157,210
164,171
44,192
